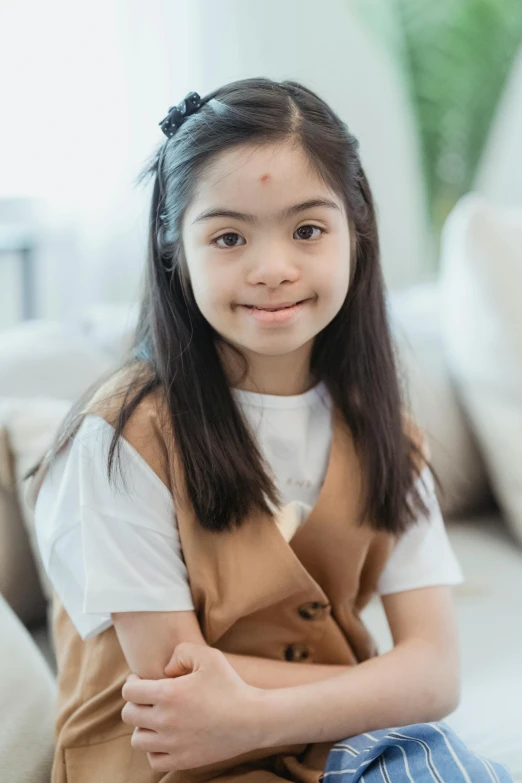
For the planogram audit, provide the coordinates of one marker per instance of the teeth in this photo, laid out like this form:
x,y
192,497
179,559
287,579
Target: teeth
x,y
271,309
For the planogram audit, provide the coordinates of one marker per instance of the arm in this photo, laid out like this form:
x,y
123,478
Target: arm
x,y
148,640
268,674
417,681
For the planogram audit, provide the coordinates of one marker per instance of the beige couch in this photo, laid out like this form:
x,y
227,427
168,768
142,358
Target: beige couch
x,y
44,366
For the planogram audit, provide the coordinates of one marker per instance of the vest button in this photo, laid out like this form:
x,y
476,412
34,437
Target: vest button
x,y
297,652
312,609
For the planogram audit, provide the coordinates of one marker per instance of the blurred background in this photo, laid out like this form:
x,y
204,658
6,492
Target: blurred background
x,y
433,91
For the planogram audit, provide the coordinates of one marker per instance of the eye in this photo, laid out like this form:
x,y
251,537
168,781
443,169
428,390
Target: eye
x,y
307,231
228,238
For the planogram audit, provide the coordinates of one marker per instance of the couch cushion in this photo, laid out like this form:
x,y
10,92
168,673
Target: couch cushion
x,y
416,322
40,360
31,425
23,595
481,285
27,696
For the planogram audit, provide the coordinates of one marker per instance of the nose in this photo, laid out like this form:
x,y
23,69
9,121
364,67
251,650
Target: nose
x,y
273,267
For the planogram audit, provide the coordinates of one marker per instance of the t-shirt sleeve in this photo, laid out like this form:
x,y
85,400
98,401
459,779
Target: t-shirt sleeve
x,y
109,547
423,556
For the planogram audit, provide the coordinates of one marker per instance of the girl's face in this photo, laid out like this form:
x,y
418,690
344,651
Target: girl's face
x,y
267,248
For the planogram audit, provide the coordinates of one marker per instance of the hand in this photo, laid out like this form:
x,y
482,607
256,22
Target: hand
x,y
206,714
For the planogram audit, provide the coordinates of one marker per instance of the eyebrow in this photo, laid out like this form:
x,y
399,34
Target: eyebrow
x,y
280,216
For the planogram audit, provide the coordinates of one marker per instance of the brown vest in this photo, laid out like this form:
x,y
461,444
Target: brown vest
x,y
254,594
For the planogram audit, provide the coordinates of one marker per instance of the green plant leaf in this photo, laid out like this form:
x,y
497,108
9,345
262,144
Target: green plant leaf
x,y
456,56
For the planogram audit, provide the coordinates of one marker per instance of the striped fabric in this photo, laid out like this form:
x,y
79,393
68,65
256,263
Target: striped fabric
x,y
421,753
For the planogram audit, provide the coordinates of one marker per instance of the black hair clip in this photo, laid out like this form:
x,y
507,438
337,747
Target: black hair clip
x,y
189,105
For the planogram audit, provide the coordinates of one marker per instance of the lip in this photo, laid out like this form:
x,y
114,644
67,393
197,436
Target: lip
x,y
280,313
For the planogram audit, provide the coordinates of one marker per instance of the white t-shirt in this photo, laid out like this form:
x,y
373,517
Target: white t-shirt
x,y
110,550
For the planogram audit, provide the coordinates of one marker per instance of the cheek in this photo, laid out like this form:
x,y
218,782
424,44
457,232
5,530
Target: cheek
x,y
333,280
211,287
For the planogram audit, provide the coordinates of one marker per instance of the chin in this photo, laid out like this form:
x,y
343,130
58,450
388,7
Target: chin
x,y
275,347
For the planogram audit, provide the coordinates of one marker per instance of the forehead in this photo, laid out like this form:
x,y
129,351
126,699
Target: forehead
x,y
264,178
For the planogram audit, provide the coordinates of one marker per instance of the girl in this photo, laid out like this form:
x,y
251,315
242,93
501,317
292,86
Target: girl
x,y
275,482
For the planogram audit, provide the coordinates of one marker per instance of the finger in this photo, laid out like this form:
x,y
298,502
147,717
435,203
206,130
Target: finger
x,y
133,678
186,658
139,716
148,741
181,662
142,691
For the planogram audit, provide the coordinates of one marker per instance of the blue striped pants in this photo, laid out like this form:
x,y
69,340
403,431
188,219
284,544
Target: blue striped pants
x,y
421,753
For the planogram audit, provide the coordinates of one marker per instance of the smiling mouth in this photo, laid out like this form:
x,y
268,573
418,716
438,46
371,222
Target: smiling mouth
x,y
275,308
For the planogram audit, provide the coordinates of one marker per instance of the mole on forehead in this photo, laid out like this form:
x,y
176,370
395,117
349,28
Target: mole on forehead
x,y
264,178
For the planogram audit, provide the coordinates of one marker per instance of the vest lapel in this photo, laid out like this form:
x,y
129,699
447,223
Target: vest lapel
x,y
331,545
236,574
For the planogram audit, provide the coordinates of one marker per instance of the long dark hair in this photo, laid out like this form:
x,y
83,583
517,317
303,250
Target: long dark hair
x,y
175,348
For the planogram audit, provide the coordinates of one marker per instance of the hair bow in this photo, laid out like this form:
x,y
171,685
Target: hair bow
x,y
177,114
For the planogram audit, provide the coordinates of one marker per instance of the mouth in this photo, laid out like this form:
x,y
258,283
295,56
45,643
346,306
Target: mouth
x,y
275,308
275,314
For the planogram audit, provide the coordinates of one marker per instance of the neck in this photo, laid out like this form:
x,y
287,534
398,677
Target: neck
x,y
282,376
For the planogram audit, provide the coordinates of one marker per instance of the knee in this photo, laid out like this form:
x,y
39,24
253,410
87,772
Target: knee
x,y
436,734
